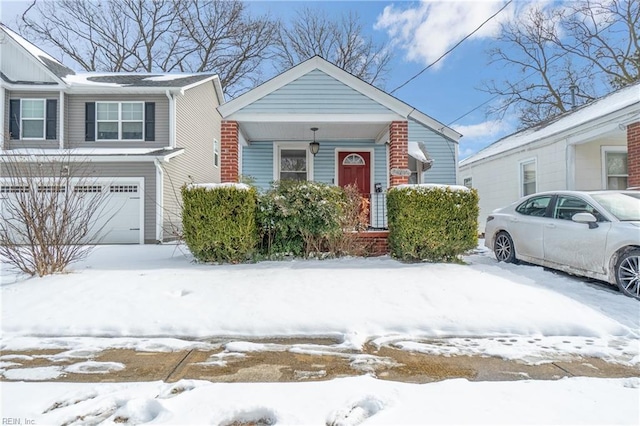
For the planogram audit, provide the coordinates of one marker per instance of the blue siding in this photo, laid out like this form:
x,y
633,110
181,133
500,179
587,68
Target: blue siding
x,y
316,92
441,149
257,161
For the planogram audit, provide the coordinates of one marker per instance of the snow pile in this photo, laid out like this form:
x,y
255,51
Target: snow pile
x,y
427,186
348,401
240,186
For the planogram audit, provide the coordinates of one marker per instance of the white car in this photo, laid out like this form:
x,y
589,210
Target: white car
x,y
592,234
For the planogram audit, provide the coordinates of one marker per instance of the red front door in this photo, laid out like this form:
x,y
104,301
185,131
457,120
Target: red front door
x,y
354,168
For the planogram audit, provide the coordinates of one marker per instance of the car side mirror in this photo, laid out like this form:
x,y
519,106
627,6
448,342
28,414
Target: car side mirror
x,y
586,218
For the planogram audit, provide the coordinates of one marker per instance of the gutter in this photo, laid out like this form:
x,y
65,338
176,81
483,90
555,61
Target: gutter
x,y
172,119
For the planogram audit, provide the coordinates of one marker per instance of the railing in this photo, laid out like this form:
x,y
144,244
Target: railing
x,y
377,210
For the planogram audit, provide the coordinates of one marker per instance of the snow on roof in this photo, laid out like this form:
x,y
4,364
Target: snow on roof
x,y
52,64
599,108
119,79
416,152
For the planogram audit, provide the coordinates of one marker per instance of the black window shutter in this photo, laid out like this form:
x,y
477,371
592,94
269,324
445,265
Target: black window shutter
x,y
90,121
149,121
14,118
52,118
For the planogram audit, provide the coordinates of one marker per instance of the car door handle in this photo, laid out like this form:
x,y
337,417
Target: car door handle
x,y
550,225
513,219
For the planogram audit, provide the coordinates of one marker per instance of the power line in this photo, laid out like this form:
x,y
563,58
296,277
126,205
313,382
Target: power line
x,y
450,50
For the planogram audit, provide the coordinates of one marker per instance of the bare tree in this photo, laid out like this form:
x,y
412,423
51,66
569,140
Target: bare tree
x,y
341,42
51,213
561,57
160,35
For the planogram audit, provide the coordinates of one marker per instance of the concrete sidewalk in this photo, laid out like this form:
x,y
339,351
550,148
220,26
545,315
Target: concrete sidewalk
x,y
322,361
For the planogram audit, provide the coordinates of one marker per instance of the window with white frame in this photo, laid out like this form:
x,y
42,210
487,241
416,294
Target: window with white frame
x,y
468,182
120,120
415,175
216,153
528,177
617,175
32,113
293,164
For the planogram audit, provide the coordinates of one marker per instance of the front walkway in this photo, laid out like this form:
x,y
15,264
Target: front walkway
x,y
278,360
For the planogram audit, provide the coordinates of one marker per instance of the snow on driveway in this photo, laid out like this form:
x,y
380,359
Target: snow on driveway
x,y
158,292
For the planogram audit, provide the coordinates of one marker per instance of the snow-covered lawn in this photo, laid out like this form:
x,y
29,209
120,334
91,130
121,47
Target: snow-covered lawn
x,y
157,291
155,297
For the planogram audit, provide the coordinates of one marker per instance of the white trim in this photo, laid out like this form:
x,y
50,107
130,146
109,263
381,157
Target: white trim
x,y
279,146
61,117
603,161
44,119
372,161
521,163
159,201
120,121
255,117
120,158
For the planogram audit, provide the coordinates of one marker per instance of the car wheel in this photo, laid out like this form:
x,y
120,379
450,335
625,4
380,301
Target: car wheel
x,y
628,273
504,248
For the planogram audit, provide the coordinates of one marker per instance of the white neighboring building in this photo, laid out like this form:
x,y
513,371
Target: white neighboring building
x,y
595,146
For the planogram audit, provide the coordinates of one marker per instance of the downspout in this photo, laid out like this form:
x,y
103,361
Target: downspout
x,y
5,132
172,119
570,164
159,200
61,121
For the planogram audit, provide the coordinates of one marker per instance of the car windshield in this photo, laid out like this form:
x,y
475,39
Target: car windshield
x,y
622,205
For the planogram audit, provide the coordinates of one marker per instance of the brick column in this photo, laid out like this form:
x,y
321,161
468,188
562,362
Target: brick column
x,y
633,154
229,151
398,150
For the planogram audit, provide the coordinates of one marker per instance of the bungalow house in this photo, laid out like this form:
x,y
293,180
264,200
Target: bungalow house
x,y
593,147
144,135
317,122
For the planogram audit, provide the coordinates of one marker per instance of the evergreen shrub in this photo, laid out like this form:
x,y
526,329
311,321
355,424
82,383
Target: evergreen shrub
x,y
432,222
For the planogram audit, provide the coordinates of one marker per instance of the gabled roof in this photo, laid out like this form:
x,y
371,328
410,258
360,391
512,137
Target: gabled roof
x,y
52,65
392,103
566,124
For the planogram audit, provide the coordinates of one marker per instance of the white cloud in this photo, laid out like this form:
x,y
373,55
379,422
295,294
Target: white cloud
x,y
430,28
479,135
483,130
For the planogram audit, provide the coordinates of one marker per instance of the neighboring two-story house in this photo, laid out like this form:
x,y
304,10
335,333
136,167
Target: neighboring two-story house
x,y
143,135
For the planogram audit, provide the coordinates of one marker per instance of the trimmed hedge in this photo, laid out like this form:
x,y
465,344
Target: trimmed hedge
x,y
219,222
433,223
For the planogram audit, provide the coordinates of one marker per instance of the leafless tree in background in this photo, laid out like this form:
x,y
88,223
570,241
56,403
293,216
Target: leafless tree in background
x,y
161,35
50,213
341,42
576,52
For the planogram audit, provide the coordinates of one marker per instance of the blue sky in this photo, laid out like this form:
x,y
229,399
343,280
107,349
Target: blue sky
x,y
418,32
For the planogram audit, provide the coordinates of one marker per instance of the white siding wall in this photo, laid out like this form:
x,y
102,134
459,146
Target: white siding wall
x,y
498,179
589,163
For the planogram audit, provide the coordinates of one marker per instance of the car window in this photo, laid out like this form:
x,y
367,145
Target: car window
x,y
566,206
536,206
624,206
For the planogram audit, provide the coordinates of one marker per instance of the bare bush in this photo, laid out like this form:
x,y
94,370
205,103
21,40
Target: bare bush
x,y
50,211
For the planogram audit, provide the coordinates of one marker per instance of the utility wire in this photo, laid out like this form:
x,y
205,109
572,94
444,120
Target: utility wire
x,y
450,50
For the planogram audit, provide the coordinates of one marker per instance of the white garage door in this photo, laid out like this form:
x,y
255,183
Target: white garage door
x,y
119,220
119,217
